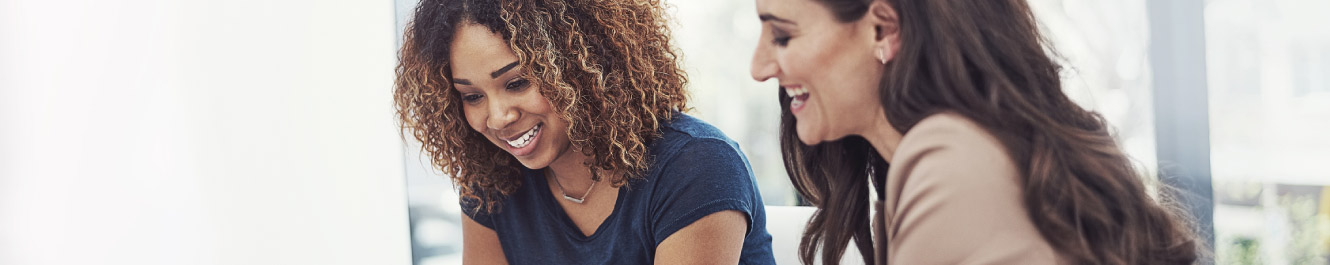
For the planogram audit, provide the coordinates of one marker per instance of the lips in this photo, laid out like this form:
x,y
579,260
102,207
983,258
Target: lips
x,y
524,139
798,96
523,144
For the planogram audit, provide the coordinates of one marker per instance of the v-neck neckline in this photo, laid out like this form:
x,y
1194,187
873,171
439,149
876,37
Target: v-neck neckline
x,y
556,211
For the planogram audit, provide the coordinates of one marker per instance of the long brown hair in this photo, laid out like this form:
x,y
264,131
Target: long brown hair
x,y
985,60
607,67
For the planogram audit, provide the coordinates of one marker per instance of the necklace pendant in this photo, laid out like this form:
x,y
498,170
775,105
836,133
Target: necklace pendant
x,y
574,200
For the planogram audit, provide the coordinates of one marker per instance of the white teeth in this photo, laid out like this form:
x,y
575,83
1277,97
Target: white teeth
x,y
525,139
796,92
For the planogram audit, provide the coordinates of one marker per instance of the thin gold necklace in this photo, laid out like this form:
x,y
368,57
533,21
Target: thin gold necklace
x,y
565,193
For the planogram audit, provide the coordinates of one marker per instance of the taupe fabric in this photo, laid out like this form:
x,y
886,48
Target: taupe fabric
x,y
953,197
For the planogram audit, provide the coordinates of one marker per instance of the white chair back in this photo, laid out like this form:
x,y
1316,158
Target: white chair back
x,y
786,225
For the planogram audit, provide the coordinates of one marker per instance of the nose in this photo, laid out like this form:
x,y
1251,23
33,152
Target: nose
x,y
764,65
503,113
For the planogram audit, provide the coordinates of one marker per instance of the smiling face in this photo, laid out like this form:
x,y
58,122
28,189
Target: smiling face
x,y
830,68
501,104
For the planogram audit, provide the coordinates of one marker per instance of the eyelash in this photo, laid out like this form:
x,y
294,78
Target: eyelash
x,y
471,98
515,86
779,37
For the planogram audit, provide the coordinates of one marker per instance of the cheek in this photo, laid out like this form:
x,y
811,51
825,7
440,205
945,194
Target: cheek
x,y
535,103
797,63
842,71
541,107
475,116
808,63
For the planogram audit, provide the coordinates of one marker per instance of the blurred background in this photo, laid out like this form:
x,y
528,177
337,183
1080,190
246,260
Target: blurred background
x,y
261,132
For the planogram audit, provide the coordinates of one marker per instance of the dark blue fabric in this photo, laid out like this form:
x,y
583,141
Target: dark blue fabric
x,y
696,171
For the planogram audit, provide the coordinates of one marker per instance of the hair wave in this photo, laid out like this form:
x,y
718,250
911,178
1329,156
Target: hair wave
x,y
985,60
607,67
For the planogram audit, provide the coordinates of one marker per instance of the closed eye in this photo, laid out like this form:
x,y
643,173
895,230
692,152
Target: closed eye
x,y
517,84
471,98
780,37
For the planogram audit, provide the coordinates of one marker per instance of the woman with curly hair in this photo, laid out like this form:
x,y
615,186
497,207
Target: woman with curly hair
x,y
990,162
560,123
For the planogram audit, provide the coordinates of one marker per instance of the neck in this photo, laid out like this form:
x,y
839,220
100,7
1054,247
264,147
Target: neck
x,y
882,136
572,173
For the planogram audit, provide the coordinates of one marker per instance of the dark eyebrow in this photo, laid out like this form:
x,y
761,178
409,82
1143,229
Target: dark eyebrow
x,y
769,17
505,69
495,74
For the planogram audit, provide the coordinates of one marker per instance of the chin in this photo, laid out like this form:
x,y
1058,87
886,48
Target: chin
x,y
528,164
814,135
807,135
534,162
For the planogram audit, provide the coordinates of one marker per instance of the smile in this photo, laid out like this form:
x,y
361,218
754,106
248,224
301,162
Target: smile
x,y
798,96
525,139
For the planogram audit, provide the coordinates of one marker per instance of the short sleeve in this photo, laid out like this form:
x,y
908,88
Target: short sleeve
x,y
470,209
705,176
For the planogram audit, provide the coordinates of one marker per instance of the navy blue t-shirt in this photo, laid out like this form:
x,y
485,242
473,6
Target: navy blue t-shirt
x,y
695,171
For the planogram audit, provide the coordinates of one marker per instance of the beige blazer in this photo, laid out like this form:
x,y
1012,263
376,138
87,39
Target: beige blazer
x,y
953,196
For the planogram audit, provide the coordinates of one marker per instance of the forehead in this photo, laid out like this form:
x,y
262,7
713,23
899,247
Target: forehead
x,y
789,9
476,52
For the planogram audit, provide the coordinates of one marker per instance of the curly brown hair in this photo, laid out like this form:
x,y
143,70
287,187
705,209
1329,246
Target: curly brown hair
x,y
607,67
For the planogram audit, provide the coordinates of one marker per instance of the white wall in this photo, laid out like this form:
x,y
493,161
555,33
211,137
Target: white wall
x,y
199,132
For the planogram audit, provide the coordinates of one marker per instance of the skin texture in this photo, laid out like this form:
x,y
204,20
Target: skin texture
x,y
803,46
480,245
501,104
840,63
714,239
504,106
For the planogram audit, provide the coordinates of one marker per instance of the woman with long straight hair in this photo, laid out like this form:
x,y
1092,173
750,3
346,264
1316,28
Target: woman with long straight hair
x,y
954,112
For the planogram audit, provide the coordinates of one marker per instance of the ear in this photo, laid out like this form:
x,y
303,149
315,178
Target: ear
x,y
886,29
